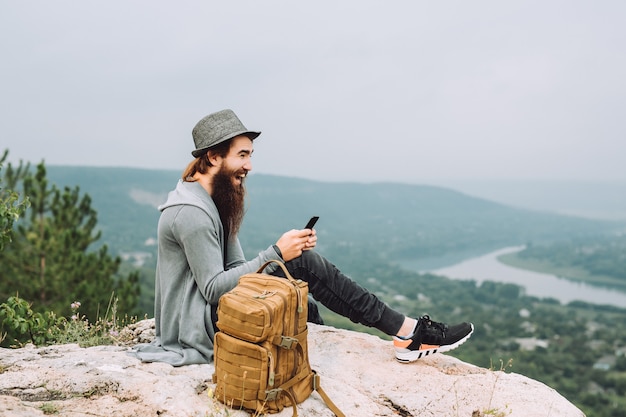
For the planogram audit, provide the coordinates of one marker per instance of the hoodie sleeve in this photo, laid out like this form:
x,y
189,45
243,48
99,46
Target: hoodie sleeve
x,y
202,241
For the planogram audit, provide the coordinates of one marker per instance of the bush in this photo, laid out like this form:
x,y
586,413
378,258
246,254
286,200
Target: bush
x,y
20,325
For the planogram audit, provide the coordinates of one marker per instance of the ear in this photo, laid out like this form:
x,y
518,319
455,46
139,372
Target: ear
x,y
213,158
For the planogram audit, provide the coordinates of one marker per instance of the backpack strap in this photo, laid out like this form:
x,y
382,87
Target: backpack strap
x,y
289,277
272,395
280,264
284,389
317,387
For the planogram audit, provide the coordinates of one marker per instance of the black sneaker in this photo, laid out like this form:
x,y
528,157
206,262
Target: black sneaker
x,y
431,337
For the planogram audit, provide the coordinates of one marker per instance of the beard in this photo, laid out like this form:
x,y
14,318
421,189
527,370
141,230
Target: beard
x,y
229,200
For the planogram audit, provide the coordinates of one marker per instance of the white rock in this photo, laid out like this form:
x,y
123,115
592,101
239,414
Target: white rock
x,y
358,372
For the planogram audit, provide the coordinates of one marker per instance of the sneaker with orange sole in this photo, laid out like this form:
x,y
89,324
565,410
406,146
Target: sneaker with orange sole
x,y
431,337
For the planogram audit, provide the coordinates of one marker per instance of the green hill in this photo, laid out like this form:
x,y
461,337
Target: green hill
x,y
396,221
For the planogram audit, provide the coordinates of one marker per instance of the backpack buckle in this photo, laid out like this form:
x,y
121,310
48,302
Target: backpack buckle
x,y
287,342
272,394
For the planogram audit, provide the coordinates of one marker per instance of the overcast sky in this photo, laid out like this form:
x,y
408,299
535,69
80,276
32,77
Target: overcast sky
x,y
409,91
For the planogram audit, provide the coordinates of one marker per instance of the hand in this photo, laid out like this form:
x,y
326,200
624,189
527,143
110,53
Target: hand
x,y
294,242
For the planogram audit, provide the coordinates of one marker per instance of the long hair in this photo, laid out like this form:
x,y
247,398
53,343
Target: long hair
x,y
229,200
201,164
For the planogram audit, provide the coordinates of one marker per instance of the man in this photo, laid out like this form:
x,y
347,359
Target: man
x,y
200,258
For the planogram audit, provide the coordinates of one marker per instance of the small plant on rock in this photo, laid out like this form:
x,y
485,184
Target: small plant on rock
x,y
19,324
49,408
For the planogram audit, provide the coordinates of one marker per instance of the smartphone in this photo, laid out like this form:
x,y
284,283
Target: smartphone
x,y
311,222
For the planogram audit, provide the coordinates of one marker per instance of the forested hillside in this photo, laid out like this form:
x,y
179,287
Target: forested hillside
x,y
392,221
399,220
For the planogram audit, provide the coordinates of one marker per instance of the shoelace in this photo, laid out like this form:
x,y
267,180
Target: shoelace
x,y
432,331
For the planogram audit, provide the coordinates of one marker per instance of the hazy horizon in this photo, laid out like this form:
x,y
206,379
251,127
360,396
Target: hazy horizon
x,y
604,200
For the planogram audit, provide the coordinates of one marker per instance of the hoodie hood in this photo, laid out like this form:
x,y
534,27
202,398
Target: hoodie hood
x,y
192,194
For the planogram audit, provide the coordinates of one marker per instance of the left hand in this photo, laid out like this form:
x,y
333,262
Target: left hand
x,y
294,242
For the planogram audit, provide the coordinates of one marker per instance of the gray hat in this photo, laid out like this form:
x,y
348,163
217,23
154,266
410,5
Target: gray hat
x,y
217,128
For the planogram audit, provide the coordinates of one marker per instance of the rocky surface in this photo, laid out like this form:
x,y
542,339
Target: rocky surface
x,y
358,372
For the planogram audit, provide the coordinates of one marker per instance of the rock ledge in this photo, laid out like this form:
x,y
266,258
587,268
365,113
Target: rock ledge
x,y
358,372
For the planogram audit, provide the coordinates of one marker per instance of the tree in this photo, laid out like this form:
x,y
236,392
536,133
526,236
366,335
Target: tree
x,y
10,208
51,261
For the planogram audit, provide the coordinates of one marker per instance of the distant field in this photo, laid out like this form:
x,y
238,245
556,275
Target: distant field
x,y
570,273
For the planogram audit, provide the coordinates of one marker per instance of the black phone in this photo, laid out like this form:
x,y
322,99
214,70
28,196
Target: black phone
x,y
311,222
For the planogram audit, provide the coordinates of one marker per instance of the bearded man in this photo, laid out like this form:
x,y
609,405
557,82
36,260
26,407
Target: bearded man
x,y
200,258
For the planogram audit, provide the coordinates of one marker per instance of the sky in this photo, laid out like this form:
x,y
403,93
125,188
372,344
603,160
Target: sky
x,y
352,90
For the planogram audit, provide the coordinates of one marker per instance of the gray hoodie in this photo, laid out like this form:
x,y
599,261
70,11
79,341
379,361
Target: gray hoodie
x,y
191,275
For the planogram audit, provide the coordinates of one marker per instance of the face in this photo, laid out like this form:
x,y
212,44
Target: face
x,y
238,160
228,191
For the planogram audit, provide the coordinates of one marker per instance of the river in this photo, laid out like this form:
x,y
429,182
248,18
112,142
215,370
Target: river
x,y
488,268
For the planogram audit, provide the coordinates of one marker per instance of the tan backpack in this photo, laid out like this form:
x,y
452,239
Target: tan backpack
x,y
260,351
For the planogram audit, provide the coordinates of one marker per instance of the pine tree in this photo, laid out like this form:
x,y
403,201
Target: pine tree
x,y
11,208
52,260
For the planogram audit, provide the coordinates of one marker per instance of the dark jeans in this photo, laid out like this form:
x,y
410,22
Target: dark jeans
x,y
340,294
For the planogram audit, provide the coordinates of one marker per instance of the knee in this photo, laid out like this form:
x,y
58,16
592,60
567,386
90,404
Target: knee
x,y
308,257
306,266
311,256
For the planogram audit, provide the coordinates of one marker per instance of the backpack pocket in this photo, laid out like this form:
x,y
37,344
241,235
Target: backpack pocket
x,y
251,314
242,371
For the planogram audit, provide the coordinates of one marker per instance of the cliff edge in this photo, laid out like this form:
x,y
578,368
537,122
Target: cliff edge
x,y
358,371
